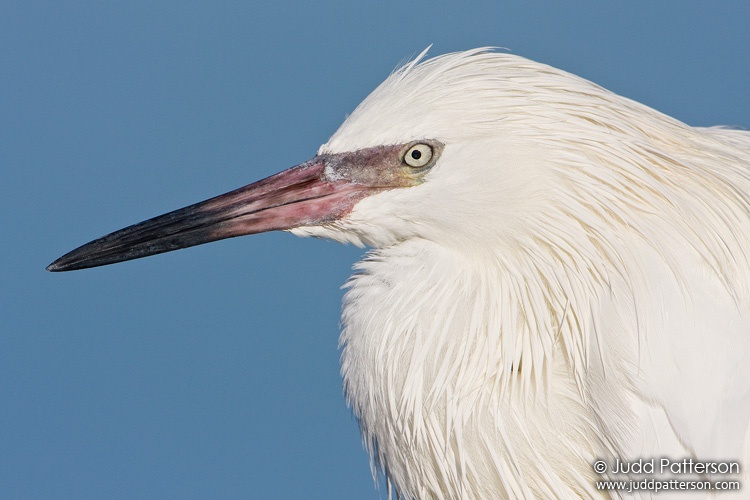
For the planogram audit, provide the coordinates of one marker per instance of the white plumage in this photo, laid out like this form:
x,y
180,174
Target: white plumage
x,y
559,275
570,282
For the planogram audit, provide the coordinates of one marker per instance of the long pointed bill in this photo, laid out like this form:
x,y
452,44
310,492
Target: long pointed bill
x,y
302,195
316,192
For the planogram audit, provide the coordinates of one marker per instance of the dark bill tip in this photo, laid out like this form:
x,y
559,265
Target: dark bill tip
x,y
162,234
55,267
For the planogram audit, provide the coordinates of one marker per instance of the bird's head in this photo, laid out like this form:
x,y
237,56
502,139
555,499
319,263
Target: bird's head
x,y
445,123
450,149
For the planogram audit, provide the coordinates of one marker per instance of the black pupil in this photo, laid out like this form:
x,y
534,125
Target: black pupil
x,y
416,154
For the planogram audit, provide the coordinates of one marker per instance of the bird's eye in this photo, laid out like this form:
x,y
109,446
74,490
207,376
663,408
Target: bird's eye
x,y
418,155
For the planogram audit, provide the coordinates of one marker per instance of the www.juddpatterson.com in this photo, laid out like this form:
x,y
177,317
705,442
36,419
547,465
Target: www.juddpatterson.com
x,y
656,485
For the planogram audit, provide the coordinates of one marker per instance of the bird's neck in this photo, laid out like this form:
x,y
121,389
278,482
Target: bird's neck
x,y
442,353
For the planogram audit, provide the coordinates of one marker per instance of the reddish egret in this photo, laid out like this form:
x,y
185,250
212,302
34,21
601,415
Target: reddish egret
x,y
558,275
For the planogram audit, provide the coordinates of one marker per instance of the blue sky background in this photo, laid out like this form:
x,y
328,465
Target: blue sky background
x,y
213,372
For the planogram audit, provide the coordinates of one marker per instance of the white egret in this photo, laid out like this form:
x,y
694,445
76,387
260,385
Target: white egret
x,y
558,275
